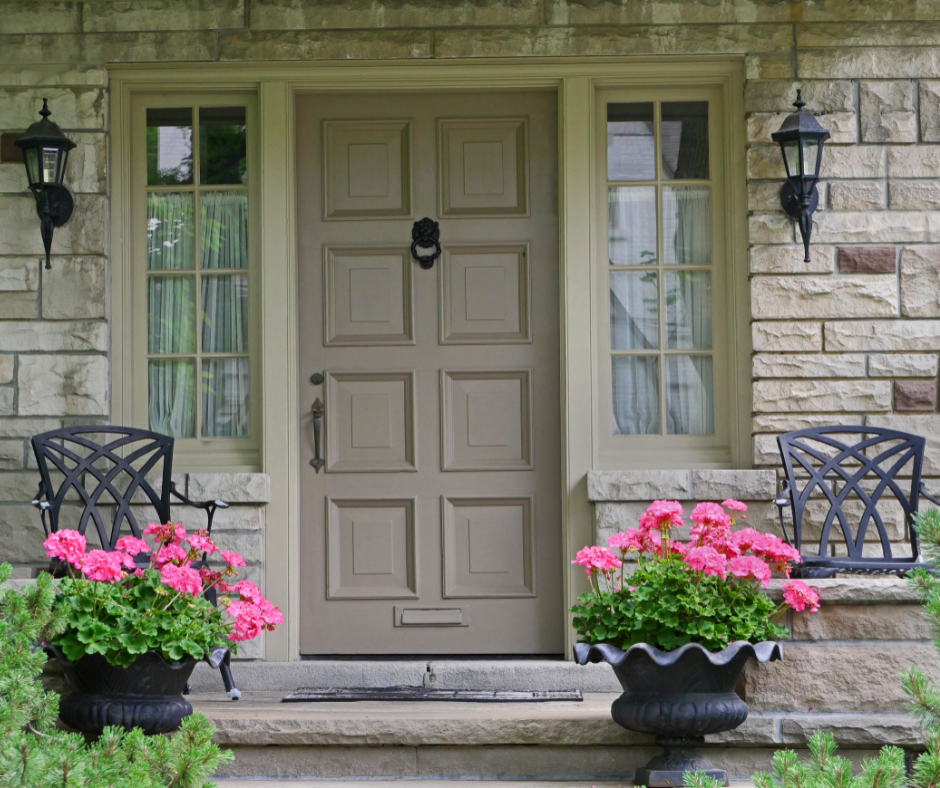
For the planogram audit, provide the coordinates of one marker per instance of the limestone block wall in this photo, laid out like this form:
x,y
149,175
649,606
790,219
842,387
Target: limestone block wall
x,y
852,336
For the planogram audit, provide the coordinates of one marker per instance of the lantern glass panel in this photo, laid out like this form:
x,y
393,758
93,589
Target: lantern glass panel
x,y
810,153
32,165
50,164
791,157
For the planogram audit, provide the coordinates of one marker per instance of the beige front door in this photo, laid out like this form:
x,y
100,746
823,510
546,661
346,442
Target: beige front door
x,y
434,525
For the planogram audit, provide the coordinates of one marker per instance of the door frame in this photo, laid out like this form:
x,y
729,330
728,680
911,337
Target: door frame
x,y
575,80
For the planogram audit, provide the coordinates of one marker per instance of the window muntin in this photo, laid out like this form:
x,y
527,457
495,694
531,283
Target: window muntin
x,y
197,261
660,268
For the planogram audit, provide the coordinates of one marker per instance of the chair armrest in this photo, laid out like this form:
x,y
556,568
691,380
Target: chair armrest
x,y
927,495
783,497
197,504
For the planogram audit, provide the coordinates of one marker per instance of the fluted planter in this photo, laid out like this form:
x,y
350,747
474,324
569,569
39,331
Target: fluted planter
x,y
680,696
147,694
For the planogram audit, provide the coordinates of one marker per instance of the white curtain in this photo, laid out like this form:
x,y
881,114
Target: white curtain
x,y
635,395
224,314
631,225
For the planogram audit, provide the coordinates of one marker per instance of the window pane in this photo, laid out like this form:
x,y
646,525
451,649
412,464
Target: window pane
x,y
634,310
171,314
810,152
689,398
687,229
225,397
631,225
172,396
688,310
685,139
169,231
631,144
222,147
225,314
169,146
224,229
636,395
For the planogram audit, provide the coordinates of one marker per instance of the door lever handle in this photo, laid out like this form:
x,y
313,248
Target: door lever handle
x,y
317,410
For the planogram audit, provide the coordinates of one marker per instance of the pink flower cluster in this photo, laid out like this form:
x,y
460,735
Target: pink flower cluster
x,y
252,612
173,556
597,559
714,549
800,596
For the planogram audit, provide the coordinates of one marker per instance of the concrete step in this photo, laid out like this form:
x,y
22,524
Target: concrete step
x,y
498,741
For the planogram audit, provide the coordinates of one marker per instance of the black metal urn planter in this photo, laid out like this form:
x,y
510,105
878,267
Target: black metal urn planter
x,y
147,694
680,696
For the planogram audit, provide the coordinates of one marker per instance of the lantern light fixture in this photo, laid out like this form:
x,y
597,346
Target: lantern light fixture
x,y
46,152
801,141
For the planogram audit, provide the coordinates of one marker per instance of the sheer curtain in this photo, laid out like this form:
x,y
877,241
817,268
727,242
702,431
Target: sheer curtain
x,y
171,314
225,385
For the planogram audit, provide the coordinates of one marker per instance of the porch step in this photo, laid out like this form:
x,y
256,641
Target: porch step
x,y
507,741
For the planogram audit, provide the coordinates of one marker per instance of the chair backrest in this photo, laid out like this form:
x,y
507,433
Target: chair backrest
x,y
860,483
102,467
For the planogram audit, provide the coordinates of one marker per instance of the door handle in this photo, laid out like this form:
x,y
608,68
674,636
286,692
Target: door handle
x,y
317,410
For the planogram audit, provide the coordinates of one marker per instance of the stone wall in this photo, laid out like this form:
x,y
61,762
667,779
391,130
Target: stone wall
x,y
852,336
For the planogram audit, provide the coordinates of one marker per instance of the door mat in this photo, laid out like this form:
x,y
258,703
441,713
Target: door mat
x,y
314,695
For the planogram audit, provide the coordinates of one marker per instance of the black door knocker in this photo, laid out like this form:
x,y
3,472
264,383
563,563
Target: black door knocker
x,y
425,234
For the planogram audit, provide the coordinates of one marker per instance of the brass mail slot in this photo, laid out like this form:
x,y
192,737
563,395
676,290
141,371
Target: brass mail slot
x,y
431,616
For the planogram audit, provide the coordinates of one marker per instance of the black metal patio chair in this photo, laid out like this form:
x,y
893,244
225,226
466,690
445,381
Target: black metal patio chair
x,y
849,481
75,468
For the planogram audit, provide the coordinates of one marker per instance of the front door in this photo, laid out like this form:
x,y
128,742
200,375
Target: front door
x,y
434,524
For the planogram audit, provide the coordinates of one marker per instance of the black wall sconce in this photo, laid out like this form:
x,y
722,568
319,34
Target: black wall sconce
x,y
801,140
46,152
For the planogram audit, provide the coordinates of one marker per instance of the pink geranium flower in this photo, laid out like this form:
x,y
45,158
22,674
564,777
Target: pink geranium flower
x,y
66,545
184,579
251,618
103,566
629,540
800,596
707,560
201,543
595,559
733,505
132,545
170,554
232,559
750,567
166,533
248,590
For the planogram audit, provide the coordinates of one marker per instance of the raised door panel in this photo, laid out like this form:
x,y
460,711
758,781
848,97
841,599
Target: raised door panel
x,y
488,547
484,168
371,551
370,422
485,294
367,169
367,296
486,420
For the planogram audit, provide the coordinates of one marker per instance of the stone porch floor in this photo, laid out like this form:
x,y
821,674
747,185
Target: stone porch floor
x,y
531,744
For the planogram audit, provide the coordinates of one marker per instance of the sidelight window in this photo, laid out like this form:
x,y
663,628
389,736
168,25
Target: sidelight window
x,y
194,248
663,273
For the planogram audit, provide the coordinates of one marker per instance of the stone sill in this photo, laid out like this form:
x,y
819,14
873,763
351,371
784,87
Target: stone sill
x,y
859,590
682,485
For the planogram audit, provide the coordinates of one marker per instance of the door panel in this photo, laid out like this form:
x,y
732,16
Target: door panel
x,y
435,526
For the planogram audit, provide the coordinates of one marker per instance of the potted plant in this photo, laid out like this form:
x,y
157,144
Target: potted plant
x,y
133,627
679,629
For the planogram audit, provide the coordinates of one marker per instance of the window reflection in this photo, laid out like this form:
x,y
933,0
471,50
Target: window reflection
x,y
169,146
631,142
685,139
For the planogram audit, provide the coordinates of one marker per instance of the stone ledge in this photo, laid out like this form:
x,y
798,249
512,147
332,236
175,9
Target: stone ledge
x,y
683,485
260,719
234,488
856,591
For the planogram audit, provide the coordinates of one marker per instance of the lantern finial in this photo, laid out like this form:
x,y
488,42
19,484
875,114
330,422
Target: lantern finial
x,y
799,103
45,109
